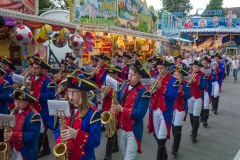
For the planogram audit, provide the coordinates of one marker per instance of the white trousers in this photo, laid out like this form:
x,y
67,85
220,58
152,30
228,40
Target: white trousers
x,y
159,124
206,100
128,144
195,106
178,117
16,155
215,89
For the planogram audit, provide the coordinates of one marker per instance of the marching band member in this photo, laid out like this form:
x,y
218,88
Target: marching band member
x,y
180,107
208,91
136,55
152,70
125,59
44,89
5,65
69,58
23,137
162,105
133,104
100,76
5,91
198,85
216,92
179,62
118,58
83,128
112,143
94,61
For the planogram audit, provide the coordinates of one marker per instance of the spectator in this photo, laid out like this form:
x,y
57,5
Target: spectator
x,y
187,60
234,67
238,56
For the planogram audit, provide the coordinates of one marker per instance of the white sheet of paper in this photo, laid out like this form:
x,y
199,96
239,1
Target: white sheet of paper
x,y
146,81
18,79
98,91
7,118
112,83
56,105
19,68
187,77
206,70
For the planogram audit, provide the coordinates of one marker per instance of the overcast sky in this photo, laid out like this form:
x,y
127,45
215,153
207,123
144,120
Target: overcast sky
x,y
197,4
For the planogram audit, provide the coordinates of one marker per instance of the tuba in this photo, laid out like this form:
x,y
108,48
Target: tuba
x,y
109,118
4,146
60,150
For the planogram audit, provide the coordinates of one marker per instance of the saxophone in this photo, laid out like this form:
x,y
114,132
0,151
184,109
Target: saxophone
x,y
60,150
109,118
4,146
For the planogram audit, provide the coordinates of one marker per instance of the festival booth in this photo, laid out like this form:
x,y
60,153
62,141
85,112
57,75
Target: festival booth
x,y
25,33
114,26
208,32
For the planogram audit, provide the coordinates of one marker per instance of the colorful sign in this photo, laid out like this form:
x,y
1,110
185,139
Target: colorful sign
x,y
98,28
178,14
212,13
171,25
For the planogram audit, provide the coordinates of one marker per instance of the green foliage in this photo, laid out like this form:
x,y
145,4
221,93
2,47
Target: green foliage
x,y
48,4
177,6
215,5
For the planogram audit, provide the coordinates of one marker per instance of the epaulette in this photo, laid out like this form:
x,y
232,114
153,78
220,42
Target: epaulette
x,y
205,77
176,83
6,85
147,94
36,118
51,85
96,116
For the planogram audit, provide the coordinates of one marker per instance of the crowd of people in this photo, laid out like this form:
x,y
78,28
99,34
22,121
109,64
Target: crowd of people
x,y
177,86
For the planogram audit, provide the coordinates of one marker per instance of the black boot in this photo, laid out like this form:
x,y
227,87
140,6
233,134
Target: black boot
x,y
205,117
195,127
177,139
155,137
45,144
162,150
109,147
201,116
173,129
115,147
216,104
213,103
191,121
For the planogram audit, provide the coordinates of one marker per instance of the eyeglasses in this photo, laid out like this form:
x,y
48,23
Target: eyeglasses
x,y
73,92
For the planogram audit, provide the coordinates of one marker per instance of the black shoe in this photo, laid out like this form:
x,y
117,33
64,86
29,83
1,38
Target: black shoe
x,y
107,157
162,150
205,117
215,112
212,109
43,153
177,139
195,127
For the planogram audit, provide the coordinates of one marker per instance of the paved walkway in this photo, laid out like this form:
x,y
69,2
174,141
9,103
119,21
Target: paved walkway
x,y
219,141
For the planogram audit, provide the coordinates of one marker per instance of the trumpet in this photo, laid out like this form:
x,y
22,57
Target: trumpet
x,y
192,76
154,86
25,73
103,95
57,76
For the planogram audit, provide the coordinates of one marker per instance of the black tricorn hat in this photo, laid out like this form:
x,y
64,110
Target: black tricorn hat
x,y
113,69
94,58
39,61
179,56
117,54
2,72
141,68
217,54
137,53
5,60
163,61
196,62
206,58
103,56
152,58
78,82
69,55
87,73
23,94
63,62
180,69
127,54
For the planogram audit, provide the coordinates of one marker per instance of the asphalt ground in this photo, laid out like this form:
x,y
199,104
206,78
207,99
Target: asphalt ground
x,y
219,141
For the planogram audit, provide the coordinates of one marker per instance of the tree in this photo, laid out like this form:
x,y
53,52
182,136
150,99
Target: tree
x,y
59,4
177,6
215,5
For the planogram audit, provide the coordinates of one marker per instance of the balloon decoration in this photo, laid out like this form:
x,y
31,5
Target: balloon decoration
x,y
75,42
57,41
64,34
21,35
89,43
44,33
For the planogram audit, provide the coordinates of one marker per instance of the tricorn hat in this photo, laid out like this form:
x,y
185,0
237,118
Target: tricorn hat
x,y
103,56
23,94
196,62
141,68
6,60
63,62
2,72
217,54
137,53
39,61
206,58
127,54
152,58
69,55
180,69
117,54
94,58
163,61
113,69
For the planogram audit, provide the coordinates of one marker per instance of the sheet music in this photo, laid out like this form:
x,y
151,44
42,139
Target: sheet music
x,y
19,68
206,70
7,118
112,83
187,77
146,81
98,91
56,105
18,79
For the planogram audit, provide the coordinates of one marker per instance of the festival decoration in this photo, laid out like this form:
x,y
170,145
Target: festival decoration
x,y
21,35
57,41
44,33
89,43
75,42
64,34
